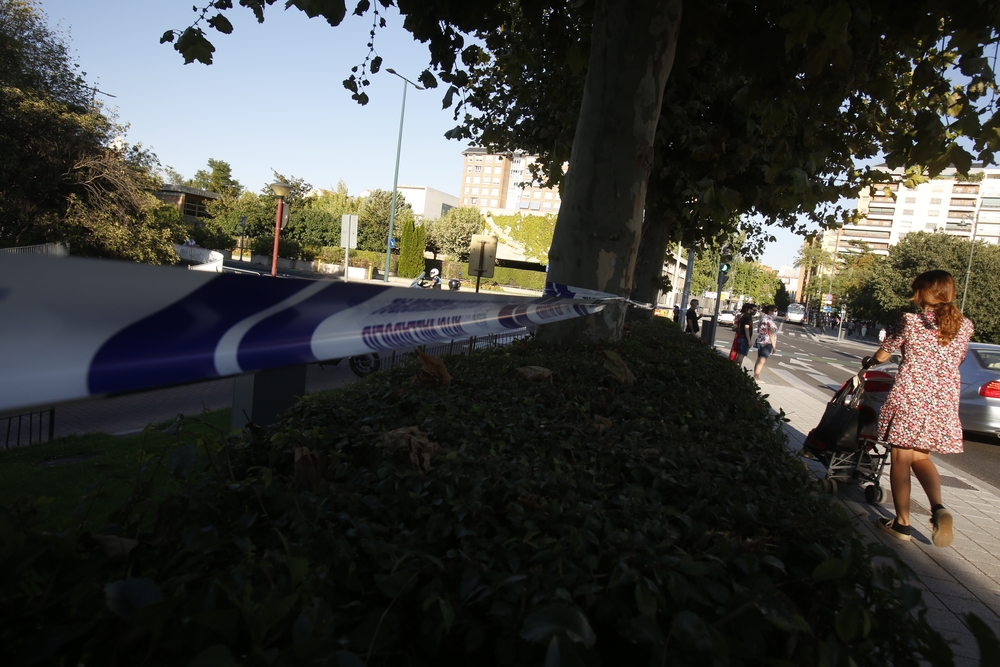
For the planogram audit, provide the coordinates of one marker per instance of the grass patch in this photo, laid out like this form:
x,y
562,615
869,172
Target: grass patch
x,y
79,481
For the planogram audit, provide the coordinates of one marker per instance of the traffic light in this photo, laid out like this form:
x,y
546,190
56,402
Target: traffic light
x,y
724,272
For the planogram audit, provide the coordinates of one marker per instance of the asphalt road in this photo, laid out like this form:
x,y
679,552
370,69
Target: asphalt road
x,y
820,364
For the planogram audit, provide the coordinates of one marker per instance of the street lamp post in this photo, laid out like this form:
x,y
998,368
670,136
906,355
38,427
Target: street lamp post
x,y
395,177
974,221
282,190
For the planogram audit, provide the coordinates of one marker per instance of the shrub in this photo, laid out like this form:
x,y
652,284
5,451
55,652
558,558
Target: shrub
x,y
581,519
287,248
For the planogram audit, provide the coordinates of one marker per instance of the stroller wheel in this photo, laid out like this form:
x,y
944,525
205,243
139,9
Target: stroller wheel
x,y
874,494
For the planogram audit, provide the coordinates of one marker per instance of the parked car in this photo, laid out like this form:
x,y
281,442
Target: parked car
x,y
979,404
727,317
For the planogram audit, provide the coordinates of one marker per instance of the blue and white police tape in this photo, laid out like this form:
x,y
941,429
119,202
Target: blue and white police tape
x,y
570,292
74,328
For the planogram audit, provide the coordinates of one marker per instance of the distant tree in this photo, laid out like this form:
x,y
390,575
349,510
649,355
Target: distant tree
x,y
313,227
452,233
781,297
258,212
373,220
920,251
217,178
172,176
411,250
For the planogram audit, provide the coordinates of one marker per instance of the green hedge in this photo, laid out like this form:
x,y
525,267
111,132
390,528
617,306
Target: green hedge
x,y
576,520
501,276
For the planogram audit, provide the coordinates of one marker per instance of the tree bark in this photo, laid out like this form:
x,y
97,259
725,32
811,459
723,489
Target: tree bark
x,y
658,228
597,236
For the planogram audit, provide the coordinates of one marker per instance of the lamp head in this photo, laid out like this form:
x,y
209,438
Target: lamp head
x,y
281,189
390,70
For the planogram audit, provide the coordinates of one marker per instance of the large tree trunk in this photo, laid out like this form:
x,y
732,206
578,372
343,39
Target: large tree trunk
x,y
597,237
658,228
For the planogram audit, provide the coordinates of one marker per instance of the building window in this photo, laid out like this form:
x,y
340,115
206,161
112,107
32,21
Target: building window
x,y
937,188
516,162
475,200
963,202
465,200
489,158
965,190
933,214
493,202
468,179
475,191
495,191
478,169
499,158
931,226
992,175
548,195
880,210
555,207
907,211
535,205
488,170
935,200
479,158
476,180
524,204
538,194
496,181
958,214
469,169
905,224
467,190
546,205
911,200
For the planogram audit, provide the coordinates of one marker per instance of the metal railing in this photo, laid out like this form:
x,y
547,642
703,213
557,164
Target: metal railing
x,y
400,358
57,249
28,428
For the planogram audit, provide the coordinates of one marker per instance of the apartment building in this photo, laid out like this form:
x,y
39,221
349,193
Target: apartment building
x,y
944,204
502,184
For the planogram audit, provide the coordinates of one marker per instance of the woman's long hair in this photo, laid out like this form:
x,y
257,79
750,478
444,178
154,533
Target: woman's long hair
x,y
935,290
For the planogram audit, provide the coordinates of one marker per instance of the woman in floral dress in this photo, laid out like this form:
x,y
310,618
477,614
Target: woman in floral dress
x,y
920,415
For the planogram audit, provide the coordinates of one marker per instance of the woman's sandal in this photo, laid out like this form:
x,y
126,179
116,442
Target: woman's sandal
x,y
890,526
942,532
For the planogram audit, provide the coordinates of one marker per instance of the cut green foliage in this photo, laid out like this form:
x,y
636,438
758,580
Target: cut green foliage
x,y
81,480
579,520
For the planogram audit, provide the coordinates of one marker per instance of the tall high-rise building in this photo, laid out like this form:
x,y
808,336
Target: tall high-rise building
x,y
502,184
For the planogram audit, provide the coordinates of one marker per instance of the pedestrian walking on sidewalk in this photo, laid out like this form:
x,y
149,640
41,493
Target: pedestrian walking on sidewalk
x,y
691,318
767,339
745,333
864,329
920,415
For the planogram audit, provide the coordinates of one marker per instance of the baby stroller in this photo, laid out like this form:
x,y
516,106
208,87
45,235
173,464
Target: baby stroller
x,y
846,440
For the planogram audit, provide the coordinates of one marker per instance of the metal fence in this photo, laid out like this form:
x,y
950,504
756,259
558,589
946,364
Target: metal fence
x,y
57,249
397,358
28,428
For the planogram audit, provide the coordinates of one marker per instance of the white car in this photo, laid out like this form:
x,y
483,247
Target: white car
x,y
727,317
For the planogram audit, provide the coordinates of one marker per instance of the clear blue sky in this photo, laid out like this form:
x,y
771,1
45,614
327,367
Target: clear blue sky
x,y
273,97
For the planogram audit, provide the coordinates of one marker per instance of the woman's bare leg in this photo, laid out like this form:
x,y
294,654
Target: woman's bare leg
x,y
759,366
927,475
899,481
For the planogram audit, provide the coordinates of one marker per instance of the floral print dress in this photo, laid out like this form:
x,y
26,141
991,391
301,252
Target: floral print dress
x,y
766,327
921,411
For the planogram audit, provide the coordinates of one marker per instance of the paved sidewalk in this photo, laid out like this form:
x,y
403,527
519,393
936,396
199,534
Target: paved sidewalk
x,y
962,578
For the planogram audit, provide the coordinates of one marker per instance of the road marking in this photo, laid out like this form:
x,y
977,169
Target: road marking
x,y
847,370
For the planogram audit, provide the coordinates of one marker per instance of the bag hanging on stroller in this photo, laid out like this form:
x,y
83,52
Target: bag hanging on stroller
x,y
846,439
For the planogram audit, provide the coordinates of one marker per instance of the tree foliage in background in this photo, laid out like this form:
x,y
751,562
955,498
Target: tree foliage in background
x,y
373,219
748,279
411,250
451,234
782,299
217,178
921,251
532,232
66,172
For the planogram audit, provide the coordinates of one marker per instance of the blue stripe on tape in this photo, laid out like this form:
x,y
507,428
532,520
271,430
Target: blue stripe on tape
x,y
285,338
177,344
